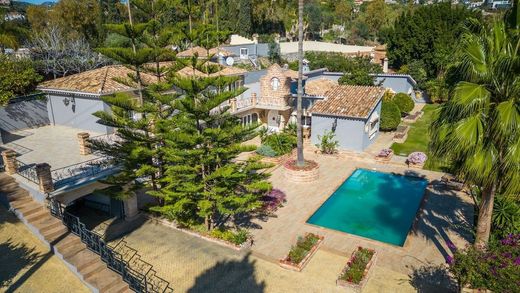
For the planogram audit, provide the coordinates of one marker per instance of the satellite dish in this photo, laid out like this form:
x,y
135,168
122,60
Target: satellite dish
x,y
230,61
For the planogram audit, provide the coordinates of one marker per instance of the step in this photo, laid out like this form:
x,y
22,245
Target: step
x,y
93,269
104,279
120,288
49,224
30,209
16,194
55,233
37,216
67,242
70,251
83,259
18,203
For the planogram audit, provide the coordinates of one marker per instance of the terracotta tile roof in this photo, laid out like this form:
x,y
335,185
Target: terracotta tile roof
x,y
202,52
318,87
98,81
225,71
349,101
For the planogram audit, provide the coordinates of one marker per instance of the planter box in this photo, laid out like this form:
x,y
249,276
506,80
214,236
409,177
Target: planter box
x,y
284,263
384,159
352,286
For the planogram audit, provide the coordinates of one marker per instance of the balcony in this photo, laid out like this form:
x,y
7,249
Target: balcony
x,y
239,105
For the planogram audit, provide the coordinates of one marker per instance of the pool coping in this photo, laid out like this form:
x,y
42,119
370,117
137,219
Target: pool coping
x,y
411,230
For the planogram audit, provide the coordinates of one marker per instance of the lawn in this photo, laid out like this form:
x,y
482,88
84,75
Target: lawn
x,y
419,138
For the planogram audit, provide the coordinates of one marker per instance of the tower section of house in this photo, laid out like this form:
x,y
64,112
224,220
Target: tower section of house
x,y
268,99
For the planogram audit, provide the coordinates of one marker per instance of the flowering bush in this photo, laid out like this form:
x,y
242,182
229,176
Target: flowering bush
x,y
385,153
496,268
273,200
417,158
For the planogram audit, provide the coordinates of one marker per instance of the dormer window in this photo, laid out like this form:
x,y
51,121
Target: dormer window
x,y
275,83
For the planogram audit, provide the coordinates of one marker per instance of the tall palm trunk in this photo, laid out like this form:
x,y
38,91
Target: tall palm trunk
x,y
485,217
300,160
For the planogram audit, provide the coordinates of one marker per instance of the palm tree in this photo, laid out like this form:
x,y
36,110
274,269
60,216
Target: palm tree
x,y
479,127
300,161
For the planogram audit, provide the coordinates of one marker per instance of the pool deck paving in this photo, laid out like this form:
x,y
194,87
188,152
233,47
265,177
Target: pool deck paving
x,y
192,264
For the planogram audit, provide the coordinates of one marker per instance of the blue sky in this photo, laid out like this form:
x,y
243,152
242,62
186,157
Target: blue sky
x,y
37,1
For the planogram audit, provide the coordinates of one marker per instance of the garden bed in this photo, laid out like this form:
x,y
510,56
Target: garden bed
x,y
167,223
301,253
356,273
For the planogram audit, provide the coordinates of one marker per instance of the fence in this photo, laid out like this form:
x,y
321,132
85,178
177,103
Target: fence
x,y
73,173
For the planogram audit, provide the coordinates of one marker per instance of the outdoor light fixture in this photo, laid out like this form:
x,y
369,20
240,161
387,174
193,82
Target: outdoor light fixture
x,y
66,102
334,125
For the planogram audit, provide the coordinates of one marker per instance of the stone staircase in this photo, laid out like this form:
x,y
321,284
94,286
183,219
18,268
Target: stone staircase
x,y
86,264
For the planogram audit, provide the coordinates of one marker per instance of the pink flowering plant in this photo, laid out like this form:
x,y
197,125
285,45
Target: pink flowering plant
x,y
417,158
496,268
274,200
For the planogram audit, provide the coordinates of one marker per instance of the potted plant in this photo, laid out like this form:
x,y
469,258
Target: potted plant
x,y
355,274
301,253
417,159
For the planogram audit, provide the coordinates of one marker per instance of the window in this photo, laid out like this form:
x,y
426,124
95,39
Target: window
x,y
275,83
250,119
372,125
306,121
244,53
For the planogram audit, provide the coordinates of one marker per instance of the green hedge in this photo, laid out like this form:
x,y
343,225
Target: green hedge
x,y
390,116
404,102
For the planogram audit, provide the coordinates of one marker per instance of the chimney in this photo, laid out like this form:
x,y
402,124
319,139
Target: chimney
x,y
385,65
255,38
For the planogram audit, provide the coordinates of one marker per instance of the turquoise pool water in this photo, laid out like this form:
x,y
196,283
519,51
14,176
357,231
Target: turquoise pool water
x,y
374,205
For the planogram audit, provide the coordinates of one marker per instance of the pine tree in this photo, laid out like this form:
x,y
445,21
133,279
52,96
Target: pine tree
x,y
203,182
136,118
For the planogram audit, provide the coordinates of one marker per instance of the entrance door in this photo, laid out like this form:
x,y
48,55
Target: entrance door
x,y
272,120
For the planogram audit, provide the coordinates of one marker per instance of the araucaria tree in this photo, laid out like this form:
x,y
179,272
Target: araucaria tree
x,y
204,183
479,127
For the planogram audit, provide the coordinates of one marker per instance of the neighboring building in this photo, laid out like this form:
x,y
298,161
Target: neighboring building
x,y
5,2
10,16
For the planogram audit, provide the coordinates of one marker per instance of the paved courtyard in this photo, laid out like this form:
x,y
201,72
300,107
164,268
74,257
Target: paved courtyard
x,y
27,265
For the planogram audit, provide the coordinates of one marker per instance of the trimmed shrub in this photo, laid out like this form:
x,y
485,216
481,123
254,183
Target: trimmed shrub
x,y
266,151
390,116
329,144
404,102
281,143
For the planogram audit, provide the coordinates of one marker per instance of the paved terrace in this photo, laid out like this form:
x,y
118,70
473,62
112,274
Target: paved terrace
x,y
55,145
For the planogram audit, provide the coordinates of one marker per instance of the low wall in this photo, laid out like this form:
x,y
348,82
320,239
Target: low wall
x,y
24,114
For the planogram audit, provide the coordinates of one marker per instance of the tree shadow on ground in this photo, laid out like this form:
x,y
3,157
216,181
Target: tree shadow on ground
x,y
229,276
14,257
444,212
432,279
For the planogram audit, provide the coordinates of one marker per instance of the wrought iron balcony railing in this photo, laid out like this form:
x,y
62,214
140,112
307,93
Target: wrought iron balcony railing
x,y
27,171
77,172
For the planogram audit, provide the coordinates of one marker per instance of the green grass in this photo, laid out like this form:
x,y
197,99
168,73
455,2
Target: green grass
x,y
418,140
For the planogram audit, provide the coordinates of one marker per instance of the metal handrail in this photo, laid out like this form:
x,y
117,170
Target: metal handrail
x,y
75,172
27,171
140,275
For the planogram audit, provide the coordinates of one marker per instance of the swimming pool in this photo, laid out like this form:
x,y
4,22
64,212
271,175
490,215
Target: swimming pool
x,y
375,205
